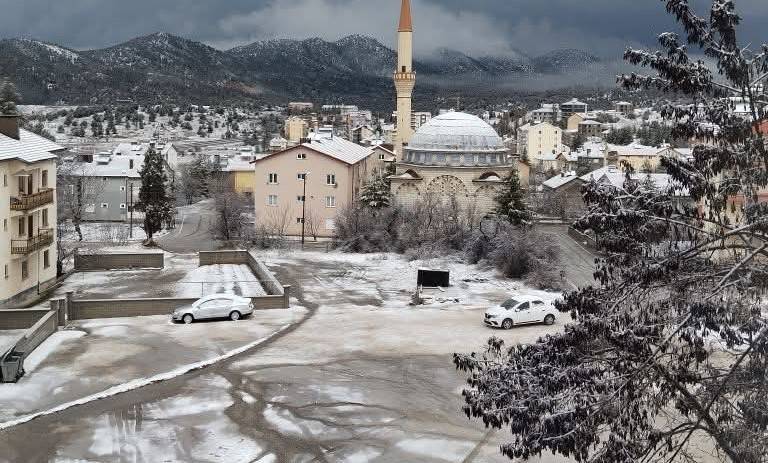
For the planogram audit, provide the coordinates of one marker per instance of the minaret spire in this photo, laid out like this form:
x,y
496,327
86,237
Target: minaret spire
x,y
405,78
406,24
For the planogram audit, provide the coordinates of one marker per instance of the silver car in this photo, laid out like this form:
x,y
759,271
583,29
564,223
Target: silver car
x,y
214,306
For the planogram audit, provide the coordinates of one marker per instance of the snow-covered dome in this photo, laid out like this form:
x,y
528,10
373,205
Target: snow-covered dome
x,y
456,139
455,131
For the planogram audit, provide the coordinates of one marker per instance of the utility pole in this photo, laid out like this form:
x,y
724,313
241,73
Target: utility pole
x,y
130,230
303,208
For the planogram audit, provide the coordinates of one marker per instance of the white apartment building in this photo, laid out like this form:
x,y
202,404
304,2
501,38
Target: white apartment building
x,y
539,141
28,212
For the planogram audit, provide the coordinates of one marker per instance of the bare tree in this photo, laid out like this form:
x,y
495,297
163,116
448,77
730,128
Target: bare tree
x,y
78,190
230,206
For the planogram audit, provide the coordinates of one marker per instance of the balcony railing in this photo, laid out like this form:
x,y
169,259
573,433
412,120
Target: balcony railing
x,y
43,239
28,202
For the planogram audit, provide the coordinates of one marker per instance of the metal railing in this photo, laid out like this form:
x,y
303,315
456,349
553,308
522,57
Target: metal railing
x,y
43,239
27,202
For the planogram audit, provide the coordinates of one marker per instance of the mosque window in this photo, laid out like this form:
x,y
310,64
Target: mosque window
x,y
456,159
483,159
440,159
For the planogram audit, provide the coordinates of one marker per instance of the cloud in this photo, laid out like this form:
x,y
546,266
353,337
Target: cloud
x,y
435,26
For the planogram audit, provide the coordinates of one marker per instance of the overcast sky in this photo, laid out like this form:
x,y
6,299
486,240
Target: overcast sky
x,y
603,27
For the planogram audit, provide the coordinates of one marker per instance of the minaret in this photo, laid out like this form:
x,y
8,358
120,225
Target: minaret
x,y
405,78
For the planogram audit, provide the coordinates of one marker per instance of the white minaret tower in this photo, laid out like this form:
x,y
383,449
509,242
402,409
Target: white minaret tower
x,y
405,78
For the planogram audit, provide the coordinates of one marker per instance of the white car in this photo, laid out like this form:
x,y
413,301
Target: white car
x,y
520,310
214,306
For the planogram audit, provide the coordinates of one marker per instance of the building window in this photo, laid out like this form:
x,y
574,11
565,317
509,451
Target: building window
x,y
299,220
381,157
122,188
301,156
272,179
21,226
45,217
330,179
46,259
272,200
5,180
5,225
301,176
330,201
24,270
104,179
122,206
6,271
330,224
90,208
104,205
44,179
300,198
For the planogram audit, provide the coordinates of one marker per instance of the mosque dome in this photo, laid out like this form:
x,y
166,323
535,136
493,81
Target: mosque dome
x,y
456,138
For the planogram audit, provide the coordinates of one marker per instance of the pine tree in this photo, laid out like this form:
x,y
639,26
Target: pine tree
x,y
9,97
511,201
153,196
376,194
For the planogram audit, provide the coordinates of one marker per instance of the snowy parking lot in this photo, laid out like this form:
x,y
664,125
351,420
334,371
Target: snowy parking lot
x,y
363,376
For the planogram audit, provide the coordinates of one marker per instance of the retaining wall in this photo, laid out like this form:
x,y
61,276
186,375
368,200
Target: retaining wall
x,y
46,326
20,319
270,283
588,241
119,261
85,309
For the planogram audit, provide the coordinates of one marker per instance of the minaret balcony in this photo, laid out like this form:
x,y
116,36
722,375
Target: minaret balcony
x,y
405,75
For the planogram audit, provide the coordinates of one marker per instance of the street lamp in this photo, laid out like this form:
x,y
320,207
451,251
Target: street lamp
x,y
303,207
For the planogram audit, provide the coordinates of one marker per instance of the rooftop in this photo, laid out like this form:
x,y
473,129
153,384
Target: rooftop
x,y
28,148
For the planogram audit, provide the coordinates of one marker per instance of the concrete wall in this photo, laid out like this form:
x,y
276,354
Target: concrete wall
x,y
85,309
269,282
586,240
19,319
46,326
85,262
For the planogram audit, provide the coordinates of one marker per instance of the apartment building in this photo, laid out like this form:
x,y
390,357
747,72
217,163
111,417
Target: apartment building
x,y
28,212
308,184
539,141
573,106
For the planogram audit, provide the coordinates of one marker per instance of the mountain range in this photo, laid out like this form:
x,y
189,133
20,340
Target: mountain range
x,y
165,67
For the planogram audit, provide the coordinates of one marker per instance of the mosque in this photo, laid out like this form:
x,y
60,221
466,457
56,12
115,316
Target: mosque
x,y
454,155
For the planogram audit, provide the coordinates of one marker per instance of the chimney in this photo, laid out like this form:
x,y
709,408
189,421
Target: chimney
x,y
9,125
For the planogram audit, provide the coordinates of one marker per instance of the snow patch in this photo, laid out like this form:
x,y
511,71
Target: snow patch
x,y
54,341
437,448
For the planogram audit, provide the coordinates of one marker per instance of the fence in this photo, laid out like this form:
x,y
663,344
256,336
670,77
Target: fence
x,y
86,262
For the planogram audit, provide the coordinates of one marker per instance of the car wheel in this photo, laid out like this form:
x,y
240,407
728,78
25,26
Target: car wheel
x,y
507,324
549,319
234,316
187,319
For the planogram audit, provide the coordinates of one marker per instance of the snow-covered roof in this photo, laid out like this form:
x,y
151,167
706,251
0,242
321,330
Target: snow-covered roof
x,y
635,149
574,101
28,148
589,122
456,131
559,180
110,166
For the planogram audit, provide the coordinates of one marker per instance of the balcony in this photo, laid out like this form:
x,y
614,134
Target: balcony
x,y
35,200
43,239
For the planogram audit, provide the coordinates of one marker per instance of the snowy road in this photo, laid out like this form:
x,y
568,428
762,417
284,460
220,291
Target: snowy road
x,y
193,230
364,378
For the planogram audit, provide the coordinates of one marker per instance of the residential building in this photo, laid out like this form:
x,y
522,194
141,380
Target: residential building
x,y
573,106
295,129
546,113
420,118
573,121
590,128
624,107
278,143
539,141
309,183
28,213
300,106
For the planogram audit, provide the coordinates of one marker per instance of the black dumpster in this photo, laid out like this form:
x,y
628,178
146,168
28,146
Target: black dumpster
x,y
12,367
433,278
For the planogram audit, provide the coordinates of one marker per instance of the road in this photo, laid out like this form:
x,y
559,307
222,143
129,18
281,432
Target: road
x,y
193,230
578,261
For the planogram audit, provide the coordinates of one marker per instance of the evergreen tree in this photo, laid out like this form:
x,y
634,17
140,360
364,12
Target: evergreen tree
x,y
153,196
376,194
9,97
511,201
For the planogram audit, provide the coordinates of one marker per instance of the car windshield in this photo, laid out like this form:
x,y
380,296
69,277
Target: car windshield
x,y
509,303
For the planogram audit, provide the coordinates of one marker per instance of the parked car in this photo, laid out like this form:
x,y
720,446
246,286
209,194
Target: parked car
x,y
520,310
214,306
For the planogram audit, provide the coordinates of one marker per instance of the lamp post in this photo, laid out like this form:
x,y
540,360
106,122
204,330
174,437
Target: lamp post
x,y
303,207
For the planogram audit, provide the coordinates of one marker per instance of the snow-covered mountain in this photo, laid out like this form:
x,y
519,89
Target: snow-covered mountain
x,y
165,66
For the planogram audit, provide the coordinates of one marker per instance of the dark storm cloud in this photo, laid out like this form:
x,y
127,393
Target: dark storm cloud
x,y
604,27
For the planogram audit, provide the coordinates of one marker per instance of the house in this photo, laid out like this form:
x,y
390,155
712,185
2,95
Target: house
x,y
27,248
309,183
546,113
573,106
300,106
624,107
590,128
573,121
